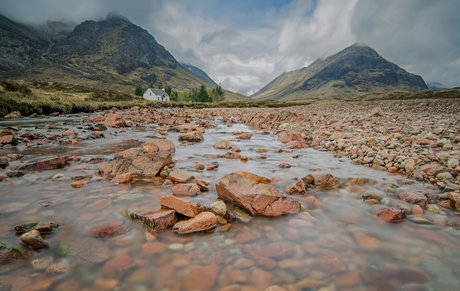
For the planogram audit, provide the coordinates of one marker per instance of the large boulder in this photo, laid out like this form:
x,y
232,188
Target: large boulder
x,y
50,164
114,120
139,162
257,198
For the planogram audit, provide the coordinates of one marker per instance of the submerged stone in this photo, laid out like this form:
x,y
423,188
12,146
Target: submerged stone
x,y
41,226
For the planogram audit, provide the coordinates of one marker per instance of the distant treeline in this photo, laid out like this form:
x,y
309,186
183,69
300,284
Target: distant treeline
x,y
216,94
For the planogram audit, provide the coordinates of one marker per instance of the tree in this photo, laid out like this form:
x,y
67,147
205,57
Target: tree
x,y
173,96
203,95
168,90
186,96
139,91
217,94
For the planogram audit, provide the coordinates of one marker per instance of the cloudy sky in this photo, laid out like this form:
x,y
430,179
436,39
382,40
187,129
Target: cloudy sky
x,y
244,44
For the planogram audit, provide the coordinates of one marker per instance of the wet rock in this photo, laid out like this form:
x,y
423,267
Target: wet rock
x,y
186,189
410,166
78,184
218,208
284,166
156,219
444,176
163,145
246,135
199,167
257,198
392,214
41,226
232,155
212,166
117,267
296,187
139,162
153,247
41,285
8,139
279,250
114,120
58,269
179,176
50,164
123,178
244,158
204,186
366,242
108,229
329,262
201,222
150,146
3,162
194,136
414,197
182,206
11,257
14,157
455,198
374,194
260,258
34,240
332,243
201,278
310,283
223,144
325,181
41,263
86,249
257,178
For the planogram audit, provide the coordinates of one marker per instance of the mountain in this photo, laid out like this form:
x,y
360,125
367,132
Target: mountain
x,y
200,74
355,71
20,45
110,54
435,86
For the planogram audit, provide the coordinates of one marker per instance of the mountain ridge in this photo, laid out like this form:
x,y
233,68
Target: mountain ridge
x,y
357,70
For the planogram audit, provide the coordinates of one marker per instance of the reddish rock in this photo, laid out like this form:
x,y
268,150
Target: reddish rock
x,y
153,247
313,202
455,199
114,120
247,237
204,186
417,210
232,155
202,278
257,178
99,118
50,164
236,149
392,214
212,166
366,242
8,139
186,127
223,144
201,222
157,219
447,204
165,145
279,250
325,181
329,262
414,197
186,189
123,178
246,135
348,279
182,206
109,229
257,198
332,243
199,167
78,184
194,136
117,267
179,176
296,187
42,285
139,162
33,239
259,257
289,136
105,169
150,146
284,165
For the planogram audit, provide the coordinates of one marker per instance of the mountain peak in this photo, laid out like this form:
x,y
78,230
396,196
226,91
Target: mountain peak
x,y
114,16
356,70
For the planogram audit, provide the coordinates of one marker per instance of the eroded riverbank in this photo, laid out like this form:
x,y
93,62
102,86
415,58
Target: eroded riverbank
x,y
341,245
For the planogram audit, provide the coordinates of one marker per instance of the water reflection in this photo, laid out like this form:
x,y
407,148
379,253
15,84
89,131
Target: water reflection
x,y
343,247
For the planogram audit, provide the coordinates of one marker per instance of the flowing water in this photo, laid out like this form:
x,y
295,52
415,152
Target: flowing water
x,y
376,255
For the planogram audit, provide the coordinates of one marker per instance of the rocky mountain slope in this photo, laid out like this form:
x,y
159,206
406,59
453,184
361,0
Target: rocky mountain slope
x,y
355,71
110,54
20,45
199,73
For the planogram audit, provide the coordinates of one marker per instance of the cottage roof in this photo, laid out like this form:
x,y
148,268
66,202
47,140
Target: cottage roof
x,y
159,92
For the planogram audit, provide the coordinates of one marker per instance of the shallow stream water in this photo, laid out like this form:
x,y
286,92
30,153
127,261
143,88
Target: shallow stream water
x,y
377,255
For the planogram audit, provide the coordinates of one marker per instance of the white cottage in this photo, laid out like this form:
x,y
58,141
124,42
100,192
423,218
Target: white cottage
x,y
156,95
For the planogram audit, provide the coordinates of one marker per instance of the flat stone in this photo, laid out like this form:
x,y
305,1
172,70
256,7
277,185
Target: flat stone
x,y
186,189
182,206
415,197
179,176
139,162
50,164
201,222
392,214
156,219
201,278
257,198
257,178
222,144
